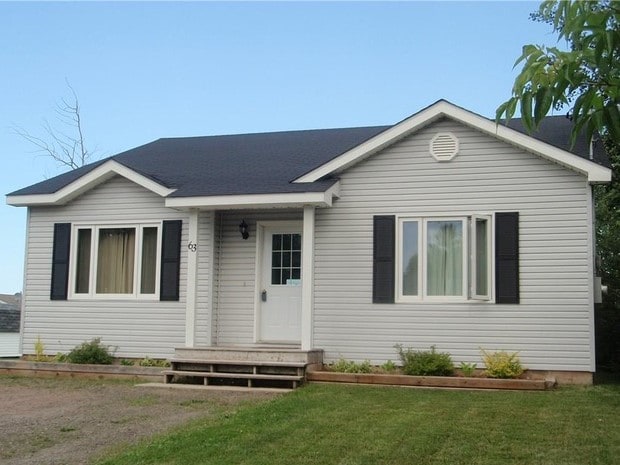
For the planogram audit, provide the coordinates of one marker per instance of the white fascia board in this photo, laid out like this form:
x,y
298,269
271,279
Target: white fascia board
x,y
91,179
594,172
253,201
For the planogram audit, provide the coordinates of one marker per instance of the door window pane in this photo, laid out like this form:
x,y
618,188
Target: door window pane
x,y
444,258
410,258
82,270
285,258
115,260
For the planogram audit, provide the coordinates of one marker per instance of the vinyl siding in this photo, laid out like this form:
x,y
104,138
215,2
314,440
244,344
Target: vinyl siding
x,y
236,281
134,328
550,328
9,344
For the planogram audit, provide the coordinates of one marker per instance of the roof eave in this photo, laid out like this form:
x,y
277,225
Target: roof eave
x,y
86,182
594,172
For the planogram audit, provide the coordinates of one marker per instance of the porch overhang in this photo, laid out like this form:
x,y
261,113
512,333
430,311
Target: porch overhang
x,y
257,201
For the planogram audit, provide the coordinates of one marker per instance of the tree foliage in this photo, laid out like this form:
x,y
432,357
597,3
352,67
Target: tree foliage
x,y
585,78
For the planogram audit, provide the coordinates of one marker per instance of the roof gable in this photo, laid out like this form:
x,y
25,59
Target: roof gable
x,y
214,170
443,109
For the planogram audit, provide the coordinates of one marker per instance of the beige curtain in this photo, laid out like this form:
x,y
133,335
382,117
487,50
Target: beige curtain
x,y
82,272
149,260
115,261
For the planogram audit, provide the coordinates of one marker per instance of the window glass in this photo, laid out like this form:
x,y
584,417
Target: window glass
x,y
482,258
115,260
149,261
285,259
410,258
444,251
82,270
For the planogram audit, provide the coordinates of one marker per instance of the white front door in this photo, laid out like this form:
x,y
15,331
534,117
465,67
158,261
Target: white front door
x,y
280,291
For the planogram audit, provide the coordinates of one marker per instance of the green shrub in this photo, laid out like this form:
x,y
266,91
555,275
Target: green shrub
x,y
91,352
502,364
425,362
389,367
127,363
468,369
349,366
60,357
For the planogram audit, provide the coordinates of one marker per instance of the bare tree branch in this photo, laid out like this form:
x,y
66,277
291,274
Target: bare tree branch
x,y
67,147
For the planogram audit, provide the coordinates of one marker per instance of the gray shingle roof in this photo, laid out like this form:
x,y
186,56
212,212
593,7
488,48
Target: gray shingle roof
x,y
264,162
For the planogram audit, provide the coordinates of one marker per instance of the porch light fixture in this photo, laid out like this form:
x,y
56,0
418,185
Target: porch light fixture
x,y
243,229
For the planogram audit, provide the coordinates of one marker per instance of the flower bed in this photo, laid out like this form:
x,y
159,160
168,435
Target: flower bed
x,y
27,368
430,381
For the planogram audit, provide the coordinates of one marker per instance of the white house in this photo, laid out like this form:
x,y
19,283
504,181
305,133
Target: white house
x,y
444,229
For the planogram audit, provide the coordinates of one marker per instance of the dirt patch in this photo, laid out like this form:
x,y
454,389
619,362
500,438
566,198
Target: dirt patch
x,y
70,421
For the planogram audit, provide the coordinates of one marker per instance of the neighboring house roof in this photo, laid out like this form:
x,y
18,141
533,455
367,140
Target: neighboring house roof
x,y
291,162
11,300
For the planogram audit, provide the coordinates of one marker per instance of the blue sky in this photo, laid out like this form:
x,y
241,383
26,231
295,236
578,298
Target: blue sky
x,y
148,70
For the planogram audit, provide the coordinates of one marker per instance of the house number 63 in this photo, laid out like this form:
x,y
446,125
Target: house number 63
x,y
192,246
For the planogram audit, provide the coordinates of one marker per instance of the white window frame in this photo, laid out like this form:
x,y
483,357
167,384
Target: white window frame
x,y
469,264
94,247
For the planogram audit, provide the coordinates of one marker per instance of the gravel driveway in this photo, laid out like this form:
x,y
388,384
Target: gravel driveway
x,y
69,421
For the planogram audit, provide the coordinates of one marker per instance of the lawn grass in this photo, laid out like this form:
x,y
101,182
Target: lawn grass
x,y
340,424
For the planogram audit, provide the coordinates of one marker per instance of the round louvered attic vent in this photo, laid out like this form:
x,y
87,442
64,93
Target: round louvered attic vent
x,y
444,146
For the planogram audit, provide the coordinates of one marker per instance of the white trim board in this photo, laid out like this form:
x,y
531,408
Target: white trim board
x,y
594,172
253,201
84,183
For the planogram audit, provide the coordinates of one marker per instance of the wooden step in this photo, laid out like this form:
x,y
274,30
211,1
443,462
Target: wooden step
x,y
216,374
250,378
239,362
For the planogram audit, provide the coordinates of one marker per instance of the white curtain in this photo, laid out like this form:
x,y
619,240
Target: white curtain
x,y
444,258
115,261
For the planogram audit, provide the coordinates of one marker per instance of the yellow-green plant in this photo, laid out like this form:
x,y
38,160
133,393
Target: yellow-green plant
x,y
39,350
502,364
151,362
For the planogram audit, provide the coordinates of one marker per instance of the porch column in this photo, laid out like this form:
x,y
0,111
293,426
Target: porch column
x,y
307,274
192,273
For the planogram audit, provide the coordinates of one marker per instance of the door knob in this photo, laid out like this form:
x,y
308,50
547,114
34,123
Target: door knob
x,y
263,296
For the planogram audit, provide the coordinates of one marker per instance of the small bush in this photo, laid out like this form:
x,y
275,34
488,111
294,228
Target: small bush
x,y
425,362
468,369
349,366
502,364
60,357
127,363
151,362
91,352
389,367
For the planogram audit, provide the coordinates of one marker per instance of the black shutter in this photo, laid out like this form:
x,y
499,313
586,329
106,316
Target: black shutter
x,y
383,259
507,258
170,260
60,261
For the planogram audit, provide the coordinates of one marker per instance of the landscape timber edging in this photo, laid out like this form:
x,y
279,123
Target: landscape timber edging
x,y
25,368
431,381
